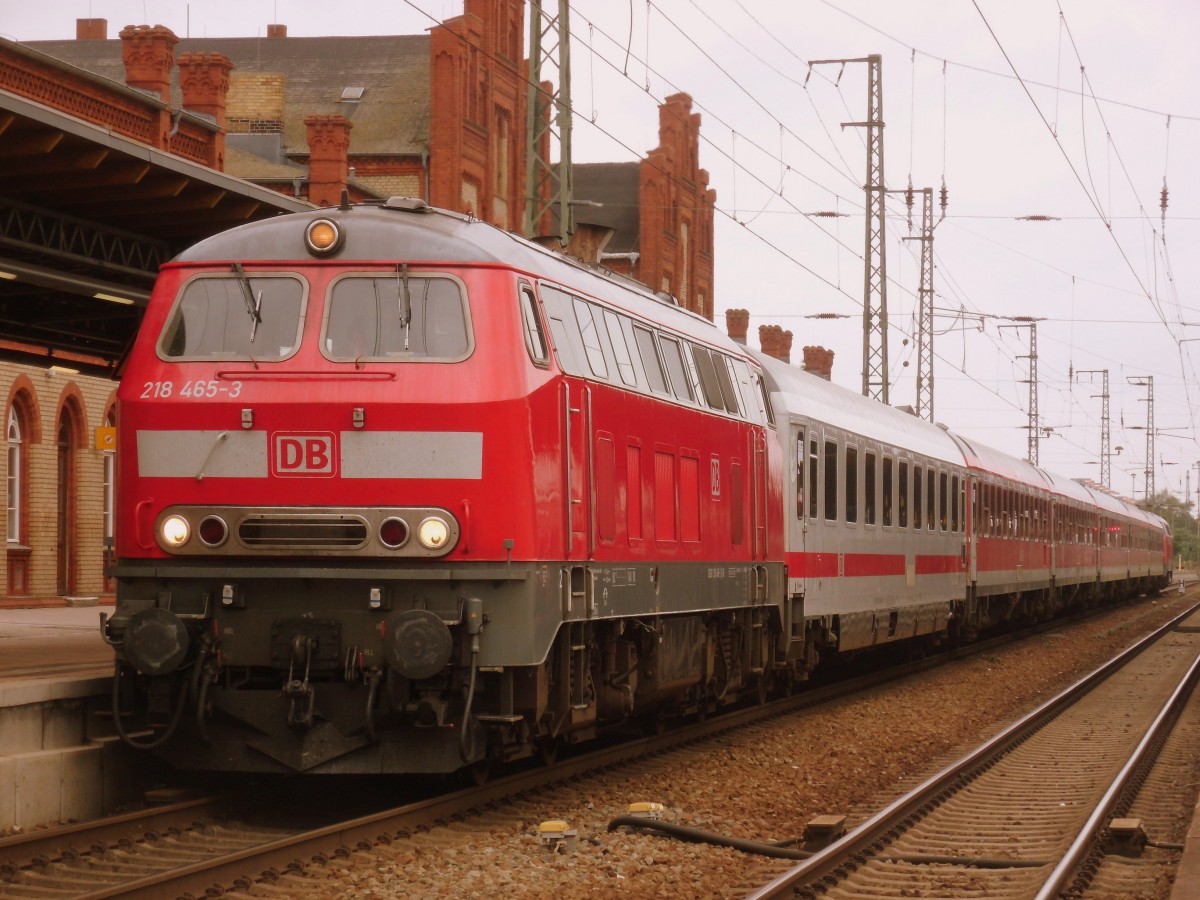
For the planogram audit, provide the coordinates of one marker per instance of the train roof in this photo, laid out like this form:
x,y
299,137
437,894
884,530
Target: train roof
x,y
800,393
803,394
374,232
989,459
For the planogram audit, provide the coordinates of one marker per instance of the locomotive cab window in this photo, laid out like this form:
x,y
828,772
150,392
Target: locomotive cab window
x,y
235,316
535,340
396,316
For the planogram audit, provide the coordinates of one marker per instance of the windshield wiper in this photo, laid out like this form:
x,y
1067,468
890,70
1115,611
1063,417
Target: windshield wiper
x,y
402,294
253,304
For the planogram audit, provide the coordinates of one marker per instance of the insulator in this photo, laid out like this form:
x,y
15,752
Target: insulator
x,y
945,195
1163,198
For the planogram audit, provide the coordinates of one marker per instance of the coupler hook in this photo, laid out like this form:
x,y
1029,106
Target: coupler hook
x,y
300,693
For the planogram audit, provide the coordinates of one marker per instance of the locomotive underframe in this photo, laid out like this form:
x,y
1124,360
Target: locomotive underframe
x,y
293,669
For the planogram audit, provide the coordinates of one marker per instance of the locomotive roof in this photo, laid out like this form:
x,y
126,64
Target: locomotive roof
x,y
808,395
406,230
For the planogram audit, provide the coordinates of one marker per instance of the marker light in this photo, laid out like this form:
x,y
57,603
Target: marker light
x,y
212,531
393,532
323,237
174,531
433,533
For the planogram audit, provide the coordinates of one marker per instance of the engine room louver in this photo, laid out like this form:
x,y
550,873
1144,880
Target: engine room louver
x,y
298,532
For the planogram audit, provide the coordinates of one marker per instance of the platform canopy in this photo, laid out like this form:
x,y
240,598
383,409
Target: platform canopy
x,y
86,219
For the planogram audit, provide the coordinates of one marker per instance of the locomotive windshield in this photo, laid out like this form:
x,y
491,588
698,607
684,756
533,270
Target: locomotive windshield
x,y
213,318
396,315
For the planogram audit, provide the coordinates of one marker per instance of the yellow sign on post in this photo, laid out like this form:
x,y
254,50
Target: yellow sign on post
x,y
106,437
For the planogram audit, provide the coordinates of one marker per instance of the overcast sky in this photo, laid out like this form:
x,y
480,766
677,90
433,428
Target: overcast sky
x,y
1075,110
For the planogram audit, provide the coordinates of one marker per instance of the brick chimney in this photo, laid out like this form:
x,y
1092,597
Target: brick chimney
x,y
91,29
785,347
328,158
204,80
149,54
819,361
770,337
737,323
276,31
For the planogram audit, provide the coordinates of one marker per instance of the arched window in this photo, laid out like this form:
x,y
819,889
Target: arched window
x,y
15,475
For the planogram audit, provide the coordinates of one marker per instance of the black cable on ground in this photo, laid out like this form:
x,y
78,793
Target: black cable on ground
x,y
696,835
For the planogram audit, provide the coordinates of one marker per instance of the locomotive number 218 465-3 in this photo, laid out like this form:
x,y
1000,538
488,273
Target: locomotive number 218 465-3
x,y
195,390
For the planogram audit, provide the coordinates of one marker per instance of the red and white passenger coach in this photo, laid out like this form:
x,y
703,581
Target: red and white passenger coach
x,y
401,492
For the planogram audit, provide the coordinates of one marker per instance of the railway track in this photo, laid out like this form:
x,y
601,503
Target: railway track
x,y
193,847
1030,812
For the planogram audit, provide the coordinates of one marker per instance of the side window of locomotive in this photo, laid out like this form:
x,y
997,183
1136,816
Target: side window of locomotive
x,y
673,357
585,318
564,332
831,480
650,361
616,334
535,340
396,316
230,317
725,379
751,399
708,377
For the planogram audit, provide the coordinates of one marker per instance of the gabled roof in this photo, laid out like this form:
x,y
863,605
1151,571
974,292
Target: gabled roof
x,y
615,189
392,116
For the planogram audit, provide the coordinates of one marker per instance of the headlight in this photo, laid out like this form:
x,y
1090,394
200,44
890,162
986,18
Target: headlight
x,y
174,531
323,237
433,533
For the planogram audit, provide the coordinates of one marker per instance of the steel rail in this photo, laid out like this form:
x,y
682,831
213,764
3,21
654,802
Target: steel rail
x,y
858,840
1086,838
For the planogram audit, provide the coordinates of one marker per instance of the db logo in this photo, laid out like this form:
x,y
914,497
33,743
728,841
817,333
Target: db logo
x,y
303,455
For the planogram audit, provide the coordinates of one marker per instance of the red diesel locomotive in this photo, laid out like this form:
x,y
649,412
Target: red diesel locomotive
x,y
401,492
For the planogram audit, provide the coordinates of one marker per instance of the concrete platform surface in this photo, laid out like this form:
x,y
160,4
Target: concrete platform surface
x,y
51,643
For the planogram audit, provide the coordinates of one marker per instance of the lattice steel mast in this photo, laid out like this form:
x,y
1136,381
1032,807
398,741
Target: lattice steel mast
x,y
1033,436
548,189
1105,422
875,345
1147,381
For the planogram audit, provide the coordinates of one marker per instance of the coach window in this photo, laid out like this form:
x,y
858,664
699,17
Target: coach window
x,y
673,357
954,502
831,480
944,501
235,316
650,361
800,474
869,487
930,499
616,335
535,340
888,490
813,471
851,484
902,497
918,521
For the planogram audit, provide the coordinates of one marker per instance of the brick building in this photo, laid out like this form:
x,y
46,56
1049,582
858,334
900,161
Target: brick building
x,y
439,116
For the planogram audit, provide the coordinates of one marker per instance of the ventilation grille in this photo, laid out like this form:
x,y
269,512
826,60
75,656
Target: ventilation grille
x,y
292,532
